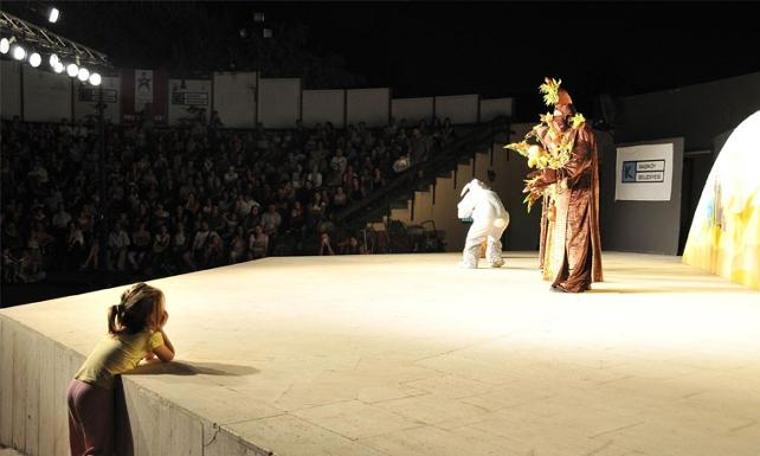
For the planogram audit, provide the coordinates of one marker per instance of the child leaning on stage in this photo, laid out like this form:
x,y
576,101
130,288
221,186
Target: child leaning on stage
x,y
135,332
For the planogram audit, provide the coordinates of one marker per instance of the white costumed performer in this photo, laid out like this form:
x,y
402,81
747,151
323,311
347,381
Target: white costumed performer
x,y
489,220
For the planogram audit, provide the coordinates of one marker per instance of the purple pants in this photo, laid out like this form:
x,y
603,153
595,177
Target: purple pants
x,y
91,419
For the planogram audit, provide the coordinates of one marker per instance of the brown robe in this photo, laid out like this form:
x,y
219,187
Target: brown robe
x,y
570,245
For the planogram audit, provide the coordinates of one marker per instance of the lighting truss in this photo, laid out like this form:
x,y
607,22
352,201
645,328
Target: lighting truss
x,y
32,36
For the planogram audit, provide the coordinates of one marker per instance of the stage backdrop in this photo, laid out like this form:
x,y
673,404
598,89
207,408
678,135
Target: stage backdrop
x,y
642,222
725,232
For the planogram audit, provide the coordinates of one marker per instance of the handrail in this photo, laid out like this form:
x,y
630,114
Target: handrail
x,y
445,159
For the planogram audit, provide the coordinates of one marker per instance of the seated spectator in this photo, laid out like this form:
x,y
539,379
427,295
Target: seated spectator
x,y
271,220
161,247
401,164
198,253
74,246
314,177
340,199
258,243
238,246
118,243
324,245
141,240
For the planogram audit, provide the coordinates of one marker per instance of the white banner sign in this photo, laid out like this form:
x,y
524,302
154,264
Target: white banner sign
x,y
644,173
143,88
87,98
190,99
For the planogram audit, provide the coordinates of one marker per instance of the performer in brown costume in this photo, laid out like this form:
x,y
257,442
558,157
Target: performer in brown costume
x,y
570,246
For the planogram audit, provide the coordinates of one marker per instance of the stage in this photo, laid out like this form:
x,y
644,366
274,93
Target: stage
x,y
409,355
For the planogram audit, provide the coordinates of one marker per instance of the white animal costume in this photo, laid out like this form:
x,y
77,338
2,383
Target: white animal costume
x,y
489,220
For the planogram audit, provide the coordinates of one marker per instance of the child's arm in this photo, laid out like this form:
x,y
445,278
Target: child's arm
x,y
166,351
167,348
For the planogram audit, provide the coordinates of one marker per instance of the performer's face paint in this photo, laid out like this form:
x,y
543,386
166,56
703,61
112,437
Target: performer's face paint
x,y
560,120
562,115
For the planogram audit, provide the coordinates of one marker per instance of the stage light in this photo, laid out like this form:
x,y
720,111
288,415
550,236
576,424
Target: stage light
x,y
258,17
54,60
95,79
35,59
267,33
58,67
19,53
5,45
53,15
72,70
84,74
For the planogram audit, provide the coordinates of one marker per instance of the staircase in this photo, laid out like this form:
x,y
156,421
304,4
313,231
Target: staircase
x,y
404,213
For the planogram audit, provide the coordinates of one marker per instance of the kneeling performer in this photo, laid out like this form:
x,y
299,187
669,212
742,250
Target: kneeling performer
x,y
489,220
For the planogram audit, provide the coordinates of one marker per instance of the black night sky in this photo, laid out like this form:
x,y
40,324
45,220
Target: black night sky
x,y
422,49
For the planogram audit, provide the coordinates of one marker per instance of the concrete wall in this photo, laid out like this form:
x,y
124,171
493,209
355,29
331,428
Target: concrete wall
x,y
10,89
35,372
279,102
235,98
86,98
412,109
241,98
698,113
460,109
371,106
321,106
495,107
47,96
187,94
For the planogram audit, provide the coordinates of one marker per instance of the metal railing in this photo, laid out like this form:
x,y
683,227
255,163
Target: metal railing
x,y
379,203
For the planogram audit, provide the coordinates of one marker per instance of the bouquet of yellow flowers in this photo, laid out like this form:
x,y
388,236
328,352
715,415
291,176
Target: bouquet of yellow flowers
x,y
545,146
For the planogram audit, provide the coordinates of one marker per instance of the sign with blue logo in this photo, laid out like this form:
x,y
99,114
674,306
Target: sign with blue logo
x,y
644,173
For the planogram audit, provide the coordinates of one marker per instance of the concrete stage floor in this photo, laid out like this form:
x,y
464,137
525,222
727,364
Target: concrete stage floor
x,y
409,355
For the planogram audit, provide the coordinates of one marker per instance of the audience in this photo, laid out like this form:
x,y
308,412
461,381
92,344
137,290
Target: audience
x,y
189,198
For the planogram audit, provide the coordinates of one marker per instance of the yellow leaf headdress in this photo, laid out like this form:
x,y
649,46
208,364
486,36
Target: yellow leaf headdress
x,y
550,89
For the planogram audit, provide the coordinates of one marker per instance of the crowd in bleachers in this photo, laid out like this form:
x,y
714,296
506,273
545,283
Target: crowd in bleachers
x,y
183,199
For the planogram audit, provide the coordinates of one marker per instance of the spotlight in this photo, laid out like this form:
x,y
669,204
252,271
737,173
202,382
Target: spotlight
x,y
58,67
54,60
53,15
5,45
72,69
19,53
267,33
35,59
84,74
258,17
95,79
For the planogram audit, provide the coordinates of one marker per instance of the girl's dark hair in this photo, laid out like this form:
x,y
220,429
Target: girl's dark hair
x,y
140,307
